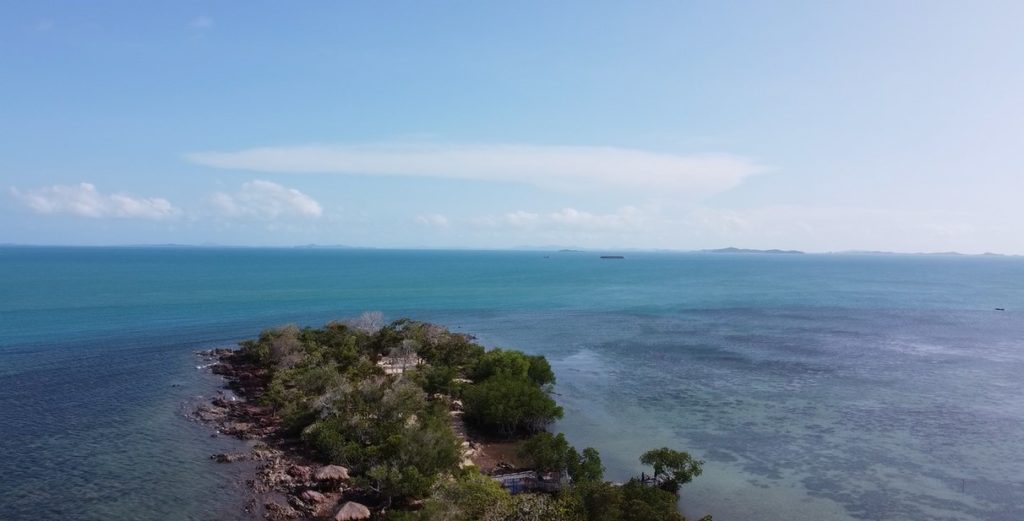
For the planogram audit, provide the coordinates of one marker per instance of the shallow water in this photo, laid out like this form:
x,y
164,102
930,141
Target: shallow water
x,y
815,387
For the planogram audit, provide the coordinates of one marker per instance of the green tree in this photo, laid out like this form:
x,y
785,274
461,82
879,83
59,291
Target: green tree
x,y
600,501
508,405
438,379
470,497
548,452
552,453
385,430
500,362
536,507
675,468
586,467
540,370
643,503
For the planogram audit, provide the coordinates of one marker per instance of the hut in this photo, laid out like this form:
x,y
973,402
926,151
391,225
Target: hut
x,y
352,511
333,473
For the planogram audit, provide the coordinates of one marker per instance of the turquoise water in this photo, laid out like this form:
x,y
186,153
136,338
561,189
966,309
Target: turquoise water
x,y
816,387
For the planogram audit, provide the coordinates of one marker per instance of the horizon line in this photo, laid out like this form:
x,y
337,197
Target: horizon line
x,y
549,248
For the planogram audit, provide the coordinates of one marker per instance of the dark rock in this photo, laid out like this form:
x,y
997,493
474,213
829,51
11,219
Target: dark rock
x,y
210,413
228,457
276,512
238,429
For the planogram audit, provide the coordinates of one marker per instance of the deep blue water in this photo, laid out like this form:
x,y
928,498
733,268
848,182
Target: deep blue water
x,y
815,386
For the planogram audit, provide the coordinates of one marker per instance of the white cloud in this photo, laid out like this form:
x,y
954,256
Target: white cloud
x,y
201,23
267,201
569,219
819,228
434,220
563,168
84,200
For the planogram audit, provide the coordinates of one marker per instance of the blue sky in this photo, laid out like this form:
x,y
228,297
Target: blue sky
x,y
821,126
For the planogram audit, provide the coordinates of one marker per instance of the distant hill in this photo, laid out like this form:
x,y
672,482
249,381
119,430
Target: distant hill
x,y
923,253
745,250
313,246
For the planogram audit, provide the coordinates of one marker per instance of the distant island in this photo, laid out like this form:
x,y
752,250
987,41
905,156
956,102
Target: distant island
x,y
556,249
409,421
746,250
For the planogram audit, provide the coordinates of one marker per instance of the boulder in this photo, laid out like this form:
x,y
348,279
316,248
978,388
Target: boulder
x,y
312,497
300,472
277,512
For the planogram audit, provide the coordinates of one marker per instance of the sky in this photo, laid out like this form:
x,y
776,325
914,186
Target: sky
x,y
820,126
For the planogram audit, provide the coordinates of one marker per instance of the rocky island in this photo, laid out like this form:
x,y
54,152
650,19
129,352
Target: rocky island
x,y
410,421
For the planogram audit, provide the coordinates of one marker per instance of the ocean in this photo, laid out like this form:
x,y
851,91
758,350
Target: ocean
x,y
838,387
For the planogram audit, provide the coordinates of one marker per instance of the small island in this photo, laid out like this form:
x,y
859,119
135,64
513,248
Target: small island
x,y
410,421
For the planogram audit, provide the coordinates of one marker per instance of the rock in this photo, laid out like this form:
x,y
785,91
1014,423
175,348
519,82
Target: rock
x,y
272,475
300,472
222,369
276,512
210,413
262,451
228,457
238,429
312,497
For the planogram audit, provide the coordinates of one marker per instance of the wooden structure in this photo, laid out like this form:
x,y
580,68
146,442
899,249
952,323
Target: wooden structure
x,y
399,364
532,481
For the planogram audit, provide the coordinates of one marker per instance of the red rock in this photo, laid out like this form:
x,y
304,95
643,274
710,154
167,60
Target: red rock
x,y
300,472
312,497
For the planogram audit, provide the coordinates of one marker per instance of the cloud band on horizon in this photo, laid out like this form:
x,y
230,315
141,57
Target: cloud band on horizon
x,y
561,168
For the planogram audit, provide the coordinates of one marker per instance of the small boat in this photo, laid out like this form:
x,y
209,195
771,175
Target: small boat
x,y
612,257
1000,309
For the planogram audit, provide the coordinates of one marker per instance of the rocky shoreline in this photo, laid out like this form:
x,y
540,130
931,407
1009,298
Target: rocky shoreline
x,y
285,482
461,437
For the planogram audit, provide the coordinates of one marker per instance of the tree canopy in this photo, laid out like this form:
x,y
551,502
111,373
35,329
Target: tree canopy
x,y
394,432
675,468
507,405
